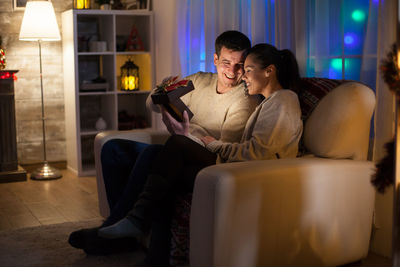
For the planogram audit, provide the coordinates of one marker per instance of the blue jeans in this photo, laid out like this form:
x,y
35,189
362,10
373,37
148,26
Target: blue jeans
x,y
125,165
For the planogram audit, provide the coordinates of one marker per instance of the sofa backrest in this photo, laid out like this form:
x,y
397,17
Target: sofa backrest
x,y
337,116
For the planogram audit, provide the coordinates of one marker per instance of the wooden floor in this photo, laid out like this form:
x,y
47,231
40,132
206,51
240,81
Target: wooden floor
x,y
33,203
72,198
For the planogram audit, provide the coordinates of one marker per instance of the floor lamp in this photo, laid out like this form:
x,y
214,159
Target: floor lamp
x,y
40,24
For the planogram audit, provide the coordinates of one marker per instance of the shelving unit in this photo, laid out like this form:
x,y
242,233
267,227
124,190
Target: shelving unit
x,y
96,43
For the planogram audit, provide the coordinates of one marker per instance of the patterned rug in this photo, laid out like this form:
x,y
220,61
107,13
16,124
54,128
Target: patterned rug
x,y
48,246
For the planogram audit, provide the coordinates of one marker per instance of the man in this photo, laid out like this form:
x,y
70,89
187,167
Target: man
x,y
220,109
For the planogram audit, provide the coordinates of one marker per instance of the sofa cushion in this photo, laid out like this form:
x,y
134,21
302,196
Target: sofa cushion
x,y
339,125
312,91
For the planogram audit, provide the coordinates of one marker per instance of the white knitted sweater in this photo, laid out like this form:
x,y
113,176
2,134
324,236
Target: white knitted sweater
x,y
272,131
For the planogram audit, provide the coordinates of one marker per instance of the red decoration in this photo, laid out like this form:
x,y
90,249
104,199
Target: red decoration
x,y
8,75
134,41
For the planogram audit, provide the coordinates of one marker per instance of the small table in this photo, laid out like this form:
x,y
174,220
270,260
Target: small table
x,y
10,171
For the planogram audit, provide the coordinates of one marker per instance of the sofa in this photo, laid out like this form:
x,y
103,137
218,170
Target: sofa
x,y
313,210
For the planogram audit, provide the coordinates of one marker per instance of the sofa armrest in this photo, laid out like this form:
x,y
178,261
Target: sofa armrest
x,y
141,135
288,212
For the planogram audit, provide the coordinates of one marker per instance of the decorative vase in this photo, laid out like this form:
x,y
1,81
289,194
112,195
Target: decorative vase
x,y
101,124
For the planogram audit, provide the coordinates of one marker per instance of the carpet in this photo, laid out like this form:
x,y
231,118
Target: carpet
x,y
48,246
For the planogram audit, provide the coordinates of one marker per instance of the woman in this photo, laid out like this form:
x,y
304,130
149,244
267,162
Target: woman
x,y
272,132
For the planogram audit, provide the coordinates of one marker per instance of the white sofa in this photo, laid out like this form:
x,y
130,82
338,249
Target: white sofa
x,y
315,210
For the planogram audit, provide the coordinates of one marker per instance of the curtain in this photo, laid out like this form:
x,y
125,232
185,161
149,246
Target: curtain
x,y
313,29
384,37
203,20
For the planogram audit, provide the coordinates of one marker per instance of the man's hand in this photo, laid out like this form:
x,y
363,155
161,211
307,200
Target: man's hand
x,y
207,139
174,126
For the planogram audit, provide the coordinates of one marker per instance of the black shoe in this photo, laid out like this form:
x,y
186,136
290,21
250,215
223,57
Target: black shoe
x,y
91,243
78,238
102,246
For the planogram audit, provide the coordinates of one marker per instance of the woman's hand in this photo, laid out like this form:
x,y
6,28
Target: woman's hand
x,y
207,139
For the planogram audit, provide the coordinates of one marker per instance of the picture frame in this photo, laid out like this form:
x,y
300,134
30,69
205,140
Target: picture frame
x,y
19,5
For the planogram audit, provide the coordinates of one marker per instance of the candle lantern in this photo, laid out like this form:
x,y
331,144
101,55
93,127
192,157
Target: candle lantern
x,y
129,76
81,4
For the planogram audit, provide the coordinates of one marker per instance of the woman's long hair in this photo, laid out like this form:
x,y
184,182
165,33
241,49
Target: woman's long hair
x,y
284,61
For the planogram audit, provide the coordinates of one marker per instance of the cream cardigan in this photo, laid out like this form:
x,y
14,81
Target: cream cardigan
x,y
272,131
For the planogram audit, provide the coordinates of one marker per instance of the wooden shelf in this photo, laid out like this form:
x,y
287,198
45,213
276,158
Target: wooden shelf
x,y
83,108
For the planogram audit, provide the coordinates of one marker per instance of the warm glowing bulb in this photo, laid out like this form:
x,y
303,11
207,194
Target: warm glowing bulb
x,y
132,83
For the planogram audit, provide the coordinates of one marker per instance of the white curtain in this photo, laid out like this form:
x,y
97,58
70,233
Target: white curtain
x,y
258,19
384,37
310,28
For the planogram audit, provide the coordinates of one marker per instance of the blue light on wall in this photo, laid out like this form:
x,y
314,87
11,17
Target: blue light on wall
x,y
348,39
351,40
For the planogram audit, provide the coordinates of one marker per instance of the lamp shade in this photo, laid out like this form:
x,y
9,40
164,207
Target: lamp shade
x,y
39,22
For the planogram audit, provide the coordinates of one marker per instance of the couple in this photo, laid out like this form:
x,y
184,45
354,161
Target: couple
x,y
272,131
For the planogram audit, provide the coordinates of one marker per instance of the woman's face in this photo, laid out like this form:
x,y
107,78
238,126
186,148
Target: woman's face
x,y
255,77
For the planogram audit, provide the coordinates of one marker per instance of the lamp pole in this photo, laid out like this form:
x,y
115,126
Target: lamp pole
x,y
39,24
45,171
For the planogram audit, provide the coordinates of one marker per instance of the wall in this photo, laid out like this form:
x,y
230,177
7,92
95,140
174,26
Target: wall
x,y
24,56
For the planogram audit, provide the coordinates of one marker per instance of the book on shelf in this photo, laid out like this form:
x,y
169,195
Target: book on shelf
x,y
169,93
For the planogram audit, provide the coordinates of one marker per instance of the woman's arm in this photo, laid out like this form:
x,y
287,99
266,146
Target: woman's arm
x,y
273,131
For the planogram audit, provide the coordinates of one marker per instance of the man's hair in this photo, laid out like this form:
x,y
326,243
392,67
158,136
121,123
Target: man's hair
x,y
232,40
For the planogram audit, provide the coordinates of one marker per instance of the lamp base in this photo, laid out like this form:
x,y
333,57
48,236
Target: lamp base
x,y
45,172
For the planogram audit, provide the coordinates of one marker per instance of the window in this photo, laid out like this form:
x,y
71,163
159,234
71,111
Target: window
x,y
337,31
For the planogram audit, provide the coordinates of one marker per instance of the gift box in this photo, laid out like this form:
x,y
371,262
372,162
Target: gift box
x,y
168,94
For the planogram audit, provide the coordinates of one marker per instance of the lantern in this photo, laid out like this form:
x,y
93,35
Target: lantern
x,y
81,4
129,76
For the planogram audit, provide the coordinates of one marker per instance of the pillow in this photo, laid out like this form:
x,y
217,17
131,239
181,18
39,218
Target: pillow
x,y
339,125
312,91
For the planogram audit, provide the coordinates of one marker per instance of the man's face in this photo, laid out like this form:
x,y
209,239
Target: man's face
x,y
229,66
